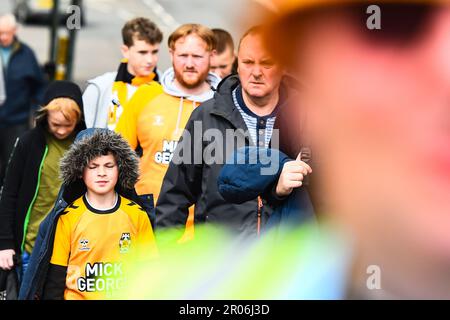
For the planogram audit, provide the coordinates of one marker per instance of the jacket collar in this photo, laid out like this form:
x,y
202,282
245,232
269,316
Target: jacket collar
x,y
124,76
15,46
223,102
224,105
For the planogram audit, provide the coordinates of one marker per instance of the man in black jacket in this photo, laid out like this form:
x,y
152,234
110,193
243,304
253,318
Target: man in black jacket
x,y
24,84
245,106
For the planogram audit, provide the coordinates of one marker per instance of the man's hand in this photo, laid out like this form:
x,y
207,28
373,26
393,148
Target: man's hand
x,y
6,259
292,176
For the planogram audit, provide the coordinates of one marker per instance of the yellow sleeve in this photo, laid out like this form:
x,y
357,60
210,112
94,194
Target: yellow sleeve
x,y
146,238
127,125
61,243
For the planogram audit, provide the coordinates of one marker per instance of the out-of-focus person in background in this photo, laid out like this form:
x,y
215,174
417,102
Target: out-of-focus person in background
x,y
378,105
107,95
24,83
31,183
222,62
158,125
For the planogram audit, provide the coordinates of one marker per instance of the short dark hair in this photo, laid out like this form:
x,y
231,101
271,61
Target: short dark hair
x,y
141,29
224,40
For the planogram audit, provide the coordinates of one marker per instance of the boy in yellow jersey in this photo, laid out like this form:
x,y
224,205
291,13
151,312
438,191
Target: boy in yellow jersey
x,y
93,237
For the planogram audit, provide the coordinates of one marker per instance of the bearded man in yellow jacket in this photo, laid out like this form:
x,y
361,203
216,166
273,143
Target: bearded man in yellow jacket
x,y
155,122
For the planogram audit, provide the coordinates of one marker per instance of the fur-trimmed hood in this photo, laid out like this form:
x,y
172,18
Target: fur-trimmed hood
x,y
94,142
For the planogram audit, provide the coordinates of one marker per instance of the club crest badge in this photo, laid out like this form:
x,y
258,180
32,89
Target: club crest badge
x,y
84,245
125,242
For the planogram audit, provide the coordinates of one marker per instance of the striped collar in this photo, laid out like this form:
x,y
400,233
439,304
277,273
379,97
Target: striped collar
x,y
237,93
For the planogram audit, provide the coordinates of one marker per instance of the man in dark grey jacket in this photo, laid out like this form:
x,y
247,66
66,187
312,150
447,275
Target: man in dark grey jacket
x,y
24,86
243,108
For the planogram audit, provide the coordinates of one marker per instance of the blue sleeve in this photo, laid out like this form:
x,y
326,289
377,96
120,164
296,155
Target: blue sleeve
x,y
38,81
249,173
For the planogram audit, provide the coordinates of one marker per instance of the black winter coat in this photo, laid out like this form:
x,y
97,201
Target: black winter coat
x,y
21,184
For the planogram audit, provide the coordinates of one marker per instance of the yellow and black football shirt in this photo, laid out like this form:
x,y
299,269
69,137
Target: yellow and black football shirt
x,y
93,244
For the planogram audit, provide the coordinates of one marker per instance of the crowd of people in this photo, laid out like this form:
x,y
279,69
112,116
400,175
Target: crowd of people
x,y
311,118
